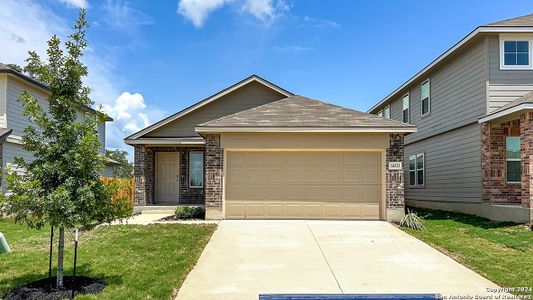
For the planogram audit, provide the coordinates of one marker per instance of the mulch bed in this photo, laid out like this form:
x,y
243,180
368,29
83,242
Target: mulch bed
x,y
41,289
176,218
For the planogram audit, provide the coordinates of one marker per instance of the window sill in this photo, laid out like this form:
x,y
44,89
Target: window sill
x,y
514,182
417,186
509,68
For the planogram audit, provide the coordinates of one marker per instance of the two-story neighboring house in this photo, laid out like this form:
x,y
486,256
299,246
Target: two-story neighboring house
x,y
12,84
473,107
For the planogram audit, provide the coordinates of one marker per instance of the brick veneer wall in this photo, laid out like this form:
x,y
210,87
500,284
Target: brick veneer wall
x,y
495,188
214,163
144,174
526,153
394,180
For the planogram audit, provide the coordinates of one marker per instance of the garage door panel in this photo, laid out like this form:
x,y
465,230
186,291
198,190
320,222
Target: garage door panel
x,y
306,184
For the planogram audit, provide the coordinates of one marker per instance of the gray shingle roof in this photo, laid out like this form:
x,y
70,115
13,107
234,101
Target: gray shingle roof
x,y
298,111
526,20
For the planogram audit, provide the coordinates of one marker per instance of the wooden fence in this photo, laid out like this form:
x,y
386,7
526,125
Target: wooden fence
x,y
125,187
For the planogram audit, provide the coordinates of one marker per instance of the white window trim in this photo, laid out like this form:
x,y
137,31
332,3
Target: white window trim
x,y
512,159
380,113
203,175
515,37
408,108
389,108
416,185
429,98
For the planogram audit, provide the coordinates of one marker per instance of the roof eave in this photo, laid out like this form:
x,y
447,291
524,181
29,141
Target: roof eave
x,y
470,36
306,129
165,141
505,112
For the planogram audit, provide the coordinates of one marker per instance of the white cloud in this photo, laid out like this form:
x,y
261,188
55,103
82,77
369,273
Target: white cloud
x,y
76,3
122,16
27,25
265,10
197,11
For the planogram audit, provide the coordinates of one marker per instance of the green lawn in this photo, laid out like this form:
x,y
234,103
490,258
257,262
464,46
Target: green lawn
x,y
502,252
137,262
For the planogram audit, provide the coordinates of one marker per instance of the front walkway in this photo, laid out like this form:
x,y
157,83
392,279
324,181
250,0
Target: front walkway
x,y
246,258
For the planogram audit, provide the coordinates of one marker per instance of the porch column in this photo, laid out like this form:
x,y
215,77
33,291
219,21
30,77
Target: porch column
x,y
214,164
526,153
394,179
139,176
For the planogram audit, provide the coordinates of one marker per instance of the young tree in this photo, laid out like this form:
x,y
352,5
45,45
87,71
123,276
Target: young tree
x,y
61,186
125,169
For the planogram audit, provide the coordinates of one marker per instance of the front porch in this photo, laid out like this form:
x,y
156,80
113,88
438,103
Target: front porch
x,y
168,175
507,160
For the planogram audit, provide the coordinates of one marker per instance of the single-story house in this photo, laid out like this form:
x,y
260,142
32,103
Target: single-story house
x,y
257,151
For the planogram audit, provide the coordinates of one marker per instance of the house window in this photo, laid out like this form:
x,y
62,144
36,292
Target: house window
x,y
515,53
380,113
425,98
416,170
405,111
196,169
512,147
386,112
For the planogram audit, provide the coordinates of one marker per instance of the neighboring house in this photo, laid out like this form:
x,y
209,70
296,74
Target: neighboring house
x,y
473,108
12,84
256,151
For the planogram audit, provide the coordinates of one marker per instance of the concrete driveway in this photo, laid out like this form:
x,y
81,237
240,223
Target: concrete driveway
x,y
247,258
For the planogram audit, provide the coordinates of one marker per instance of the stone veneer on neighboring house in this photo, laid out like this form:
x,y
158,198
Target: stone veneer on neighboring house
x,y
144,175
496,189
394,179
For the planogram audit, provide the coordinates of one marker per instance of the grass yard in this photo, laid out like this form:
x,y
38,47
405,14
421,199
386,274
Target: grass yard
x,y
502,252
137,262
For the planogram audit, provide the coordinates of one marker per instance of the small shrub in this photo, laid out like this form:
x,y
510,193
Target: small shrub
x,y
412,220
189,212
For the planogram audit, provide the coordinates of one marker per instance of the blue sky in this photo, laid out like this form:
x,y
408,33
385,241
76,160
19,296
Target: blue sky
x,y
149,59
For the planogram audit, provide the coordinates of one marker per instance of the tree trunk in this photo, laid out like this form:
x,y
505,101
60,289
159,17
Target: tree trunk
x,y
60,252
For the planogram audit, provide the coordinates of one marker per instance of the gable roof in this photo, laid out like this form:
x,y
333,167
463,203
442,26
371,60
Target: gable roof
x,y
214,97
298,113
526,20
521,103
519,24
4,69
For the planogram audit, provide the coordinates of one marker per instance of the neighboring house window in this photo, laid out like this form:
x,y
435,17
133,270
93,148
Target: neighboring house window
x,y
405,110
515,54
416,170
386,112
196,169
512,147
425,98
380,113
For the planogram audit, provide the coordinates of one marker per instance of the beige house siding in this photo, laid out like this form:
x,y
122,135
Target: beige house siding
x,y
14,118
246,97
505,85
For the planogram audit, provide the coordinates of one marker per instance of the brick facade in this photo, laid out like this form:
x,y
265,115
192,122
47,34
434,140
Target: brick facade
x,y
394,179
214,163
495,188
144,174
526,153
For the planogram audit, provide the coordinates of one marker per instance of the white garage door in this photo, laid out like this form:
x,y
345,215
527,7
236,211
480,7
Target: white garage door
x,y
303,185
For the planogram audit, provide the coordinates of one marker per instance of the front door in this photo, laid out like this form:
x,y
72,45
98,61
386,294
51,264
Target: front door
x,y
167,177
